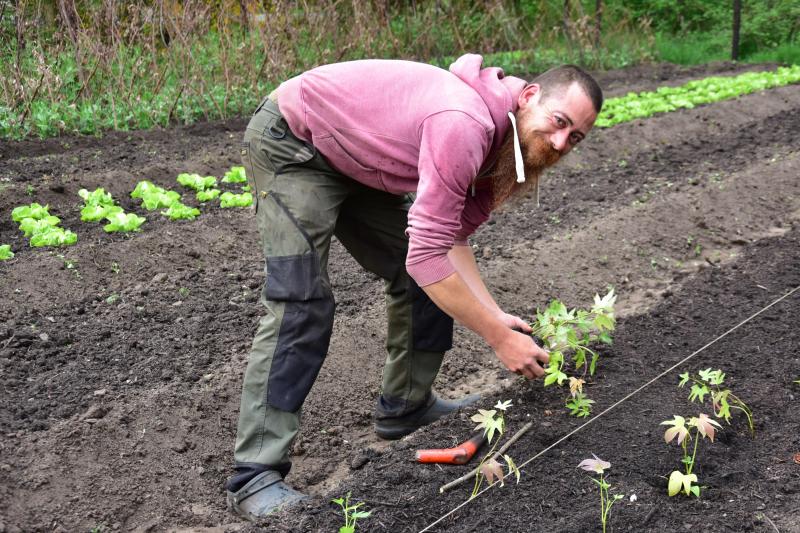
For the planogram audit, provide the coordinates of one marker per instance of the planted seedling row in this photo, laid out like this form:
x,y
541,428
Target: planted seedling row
x,y
693,93
43,229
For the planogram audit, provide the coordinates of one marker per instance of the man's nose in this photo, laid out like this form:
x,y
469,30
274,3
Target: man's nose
x,y
560,140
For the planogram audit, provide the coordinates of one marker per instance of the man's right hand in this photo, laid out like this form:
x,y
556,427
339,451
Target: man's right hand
x,y
520,354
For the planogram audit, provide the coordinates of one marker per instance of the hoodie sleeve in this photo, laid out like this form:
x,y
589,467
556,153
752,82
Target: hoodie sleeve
x,y
453,146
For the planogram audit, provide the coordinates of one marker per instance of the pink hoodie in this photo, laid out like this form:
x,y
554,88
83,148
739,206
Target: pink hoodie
x,y
401,127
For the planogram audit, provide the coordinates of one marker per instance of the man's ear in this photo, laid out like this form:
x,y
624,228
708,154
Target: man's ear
x,y
529,96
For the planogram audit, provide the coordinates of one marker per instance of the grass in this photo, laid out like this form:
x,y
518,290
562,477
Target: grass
x,y
699,48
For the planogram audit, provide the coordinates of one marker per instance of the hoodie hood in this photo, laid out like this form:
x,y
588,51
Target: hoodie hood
x,y
498,91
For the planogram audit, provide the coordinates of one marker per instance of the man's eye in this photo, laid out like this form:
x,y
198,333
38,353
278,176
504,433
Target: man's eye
x,y
575,139
561,122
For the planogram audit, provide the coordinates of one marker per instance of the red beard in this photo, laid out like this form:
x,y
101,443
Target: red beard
x,y
537,155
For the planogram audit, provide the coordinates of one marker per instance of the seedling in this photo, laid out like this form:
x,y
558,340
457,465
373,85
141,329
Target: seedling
x,y
235,175
565,332
351,513
5,252
208,194
709,383
681,431
53,236
154,197
98,205
196,181
33,210
598,466
179,211
122,222
229,199
492,421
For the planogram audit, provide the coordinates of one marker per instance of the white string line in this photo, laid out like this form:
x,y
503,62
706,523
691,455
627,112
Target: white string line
x,y
625,398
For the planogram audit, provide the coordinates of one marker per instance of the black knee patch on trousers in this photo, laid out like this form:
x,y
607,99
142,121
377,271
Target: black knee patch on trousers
x,y
432,328
305,330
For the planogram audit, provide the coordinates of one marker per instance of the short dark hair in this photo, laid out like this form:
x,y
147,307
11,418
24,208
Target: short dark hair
x,y
564,76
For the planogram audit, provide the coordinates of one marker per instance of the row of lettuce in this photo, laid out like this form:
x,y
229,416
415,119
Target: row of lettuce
x,y
714,89
44,229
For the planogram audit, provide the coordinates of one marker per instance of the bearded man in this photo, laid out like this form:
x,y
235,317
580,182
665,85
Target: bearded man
x,y
401,161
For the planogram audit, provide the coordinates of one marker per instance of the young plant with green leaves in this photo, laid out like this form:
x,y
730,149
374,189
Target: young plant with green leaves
x,y
53,236
598,466
98,204
710,383
569,332
682,432
351,513
36,222
5,252
208,195
229,199
154,197
34,210
123,222
492,421
179,211
196,181
235,175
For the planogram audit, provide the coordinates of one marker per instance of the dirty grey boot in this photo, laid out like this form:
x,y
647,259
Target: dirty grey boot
x,y
394,427
264,494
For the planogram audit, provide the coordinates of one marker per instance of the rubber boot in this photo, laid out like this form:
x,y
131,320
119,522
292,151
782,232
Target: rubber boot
x,y
263,495
434,409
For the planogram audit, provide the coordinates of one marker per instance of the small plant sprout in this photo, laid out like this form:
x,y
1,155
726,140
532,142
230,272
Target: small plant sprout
x,y
681,431
5,252
709,383
196,181
351,513
235,175
492,421
229,199
598,466
564,332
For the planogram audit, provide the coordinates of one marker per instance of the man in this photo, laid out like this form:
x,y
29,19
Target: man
x,y
336,151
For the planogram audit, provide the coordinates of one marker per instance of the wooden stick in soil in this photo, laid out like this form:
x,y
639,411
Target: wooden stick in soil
x,y
497,454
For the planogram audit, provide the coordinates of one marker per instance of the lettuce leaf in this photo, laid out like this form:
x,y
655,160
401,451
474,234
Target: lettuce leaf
x,y
54,236
123,222
235,175
228,199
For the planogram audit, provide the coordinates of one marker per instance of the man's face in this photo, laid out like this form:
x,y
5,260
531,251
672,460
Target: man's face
x,y
548,129
562,119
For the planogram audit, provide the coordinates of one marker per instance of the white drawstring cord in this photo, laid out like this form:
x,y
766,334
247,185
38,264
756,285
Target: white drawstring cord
x,y
517,151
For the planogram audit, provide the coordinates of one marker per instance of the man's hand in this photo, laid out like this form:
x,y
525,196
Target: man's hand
x,y
514,322
521,355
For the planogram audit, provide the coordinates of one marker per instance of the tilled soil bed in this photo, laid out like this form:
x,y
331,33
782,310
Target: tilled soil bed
x,y
121,357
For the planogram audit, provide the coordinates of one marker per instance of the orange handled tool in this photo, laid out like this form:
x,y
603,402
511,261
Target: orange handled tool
x,y
459,455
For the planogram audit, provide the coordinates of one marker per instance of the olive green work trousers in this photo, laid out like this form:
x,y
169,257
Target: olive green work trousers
x,y
301,203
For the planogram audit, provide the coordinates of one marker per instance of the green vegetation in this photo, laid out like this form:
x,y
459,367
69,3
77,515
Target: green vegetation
x,y
36,222
493,421
123,222
158,63
229,199
197,182
696,92
351,513
208,195
235,175
566,332
179,211
598,466
5,252
705,383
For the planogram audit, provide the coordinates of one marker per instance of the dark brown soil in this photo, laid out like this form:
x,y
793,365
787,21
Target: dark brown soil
x,y
121,357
